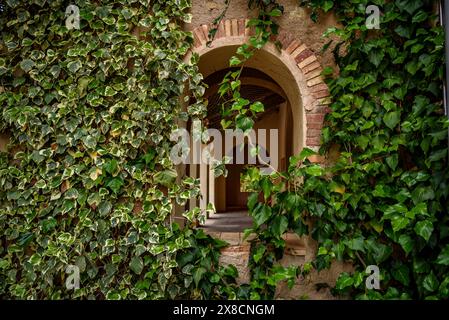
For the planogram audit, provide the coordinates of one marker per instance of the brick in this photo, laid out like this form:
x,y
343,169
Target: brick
x,y
228,28
319,87
205,29
311,133
287,41
234,27
315,81
281,37
307,61
303,55
196,41
322,109
315,125
221,33
315,118
292,46
316,141
241,25
299,50
311,67
315,73
320,94
199,33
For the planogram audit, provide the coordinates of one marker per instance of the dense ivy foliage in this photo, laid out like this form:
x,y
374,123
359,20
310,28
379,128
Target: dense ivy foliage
x,y
384,198
87,179
384,201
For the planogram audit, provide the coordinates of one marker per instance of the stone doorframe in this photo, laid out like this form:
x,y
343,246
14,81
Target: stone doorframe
x,y
308,95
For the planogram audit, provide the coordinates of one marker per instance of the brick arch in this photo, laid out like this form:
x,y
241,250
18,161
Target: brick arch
x,y
312,84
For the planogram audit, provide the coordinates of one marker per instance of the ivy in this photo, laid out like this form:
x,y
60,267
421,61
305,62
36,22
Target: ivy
x,y
87,180
384,200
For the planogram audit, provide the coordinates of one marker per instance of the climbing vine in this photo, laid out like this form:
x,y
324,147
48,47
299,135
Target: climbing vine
x,y
383,198
87,180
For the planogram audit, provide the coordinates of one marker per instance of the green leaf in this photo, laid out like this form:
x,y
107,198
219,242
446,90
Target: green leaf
x,y
327,5
244,123
234,61
430,282
27,64
376,57
409,6
399,222
136,265
391,119
198,274
259,254
406,243
261,214
402,274
257,107
424,229
314,170
74,66
344,281
115,184
443,257
166,177
279,225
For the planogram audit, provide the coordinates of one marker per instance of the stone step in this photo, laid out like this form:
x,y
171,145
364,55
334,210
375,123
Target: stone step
x,y
234,221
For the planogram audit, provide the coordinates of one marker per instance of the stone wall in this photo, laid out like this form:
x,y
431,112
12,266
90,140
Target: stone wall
x,y
295,19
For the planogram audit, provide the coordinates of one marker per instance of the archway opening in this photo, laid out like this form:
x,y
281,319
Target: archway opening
x,y
230,194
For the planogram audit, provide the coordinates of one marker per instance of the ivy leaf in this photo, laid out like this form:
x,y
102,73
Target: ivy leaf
x,y
279,225
402,274
257,256
261,214
115,184
234,61
430,282
399,222
391,119
314,170
344,281
198,275
166,177
27,64
409,6
244,123
136,265
406,243
109,91
376,57
74,66
443,257
424,229
257,107
327,5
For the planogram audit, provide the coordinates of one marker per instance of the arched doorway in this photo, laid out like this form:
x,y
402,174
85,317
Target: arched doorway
x,y
290,82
